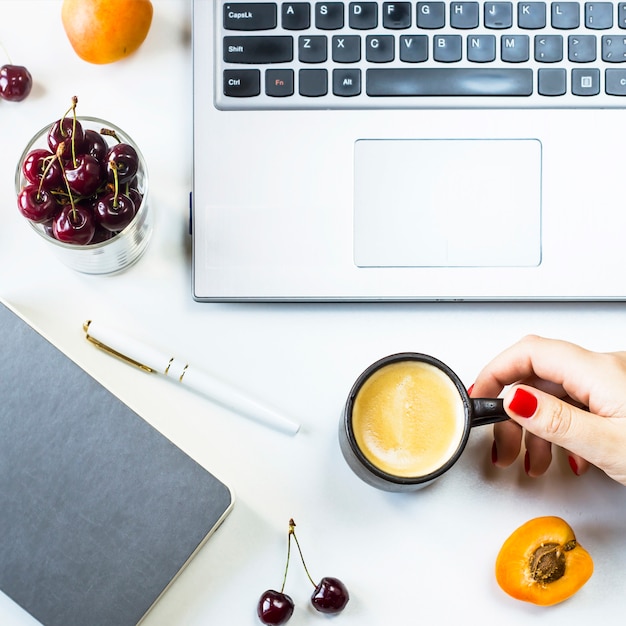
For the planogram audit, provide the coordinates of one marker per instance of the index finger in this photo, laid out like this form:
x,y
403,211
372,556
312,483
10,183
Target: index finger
x,y
552,360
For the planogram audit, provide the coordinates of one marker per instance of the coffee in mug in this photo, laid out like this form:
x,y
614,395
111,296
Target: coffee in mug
x,y
407,420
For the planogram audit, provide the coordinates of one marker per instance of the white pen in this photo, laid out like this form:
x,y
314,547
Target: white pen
x,y
155,361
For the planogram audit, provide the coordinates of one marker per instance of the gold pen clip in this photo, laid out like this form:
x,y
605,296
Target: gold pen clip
x,y
112,352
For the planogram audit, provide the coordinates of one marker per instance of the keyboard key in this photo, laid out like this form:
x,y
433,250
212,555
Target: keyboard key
x,y
586,82
613,49
447,48
531,15
296,15
565,15
242,83
250,16
313,83
615,82
313,49
515,48
548,48
552,81
464,14
363,15
581,48
449,81
258,49
431,14
380,48
346,48
498,15
481,48
329,15
279,83
599,15
414,48
346,82
396,15
621,14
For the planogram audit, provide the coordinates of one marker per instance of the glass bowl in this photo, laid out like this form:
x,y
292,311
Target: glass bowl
x,y
123,248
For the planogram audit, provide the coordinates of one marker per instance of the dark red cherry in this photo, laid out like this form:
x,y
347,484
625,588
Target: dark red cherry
x,y
86,176
126,159
101,234
62,131
95,145
274,608
330,595
15,82
114,212
37,205
39,162
74,225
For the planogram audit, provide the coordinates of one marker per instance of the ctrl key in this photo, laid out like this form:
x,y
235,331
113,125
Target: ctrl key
x,y
242,83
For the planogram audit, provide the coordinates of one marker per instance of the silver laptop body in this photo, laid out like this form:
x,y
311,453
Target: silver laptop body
x,y
424,158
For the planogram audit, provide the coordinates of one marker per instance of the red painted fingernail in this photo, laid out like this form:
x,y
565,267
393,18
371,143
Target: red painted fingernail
x,y
526,463
523,403
469,391
573,465
494,453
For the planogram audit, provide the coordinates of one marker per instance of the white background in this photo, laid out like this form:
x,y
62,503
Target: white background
x,y
406,559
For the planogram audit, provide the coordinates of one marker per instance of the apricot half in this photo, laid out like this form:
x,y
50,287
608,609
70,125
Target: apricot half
x,y
542,562
104,31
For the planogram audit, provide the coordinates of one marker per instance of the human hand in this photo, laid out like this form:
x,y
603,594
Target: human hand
x,y
562,394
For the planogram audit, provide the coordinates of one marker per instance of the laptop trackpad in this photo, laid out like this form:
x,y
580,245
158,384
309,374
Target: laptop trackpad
x,y
447,202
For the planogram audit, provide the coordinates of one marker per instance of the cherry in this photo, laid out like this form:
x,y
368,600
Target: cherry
x,y
15,82
74,224
114,211
330,596
274,608
85,176
41,165
36,204
95,145
126,159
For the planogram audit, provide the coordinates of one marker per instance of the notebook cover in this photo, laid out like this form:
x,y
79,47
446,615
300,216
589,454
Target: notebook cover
x,y
98,510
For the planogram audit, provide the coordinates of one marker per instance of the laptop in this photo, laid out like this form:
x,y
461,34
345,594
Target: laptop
x,y
407,151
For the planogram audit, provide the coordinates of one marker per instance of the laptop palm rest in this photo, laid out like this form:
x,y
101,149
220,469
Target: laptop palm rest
x,y
447,203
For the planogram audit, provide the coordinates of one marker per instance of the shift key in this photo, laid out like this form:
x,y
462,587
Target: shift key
x,y
258,49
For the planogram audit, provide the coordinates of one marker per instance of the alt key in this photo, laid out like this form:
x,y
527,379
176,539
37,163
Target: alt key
x,y
242,83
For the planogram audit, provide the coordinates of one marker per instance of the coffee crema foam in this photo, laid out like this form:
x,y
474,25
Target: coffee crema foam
x,y
408,418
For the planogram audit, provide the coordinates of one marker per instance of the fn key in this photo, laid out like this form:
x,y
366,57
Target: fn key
x,y
242,83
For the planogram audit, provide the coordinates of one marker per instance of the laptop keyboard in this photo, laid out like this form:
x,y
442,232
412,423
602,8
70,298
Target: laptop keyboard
x,y
326,55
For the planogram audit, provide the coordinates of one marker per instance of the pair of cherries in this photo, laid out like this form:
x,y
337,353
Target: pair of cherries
x,y
276,607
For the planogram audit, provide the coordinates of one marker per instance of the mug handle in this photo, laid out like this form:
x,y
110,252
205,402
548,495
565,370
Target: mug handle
x,y
487,411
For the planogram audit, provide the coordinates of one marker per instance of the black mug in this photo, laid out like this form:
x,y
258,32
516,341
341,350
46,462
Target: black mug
x,y
407,420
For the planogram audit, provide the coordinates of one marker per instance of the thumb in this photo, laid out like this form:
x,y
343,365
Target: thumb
x,y
587,435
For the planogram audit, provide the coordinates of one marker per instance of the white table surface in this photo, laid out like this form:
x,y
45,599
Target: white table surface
x,y
426,557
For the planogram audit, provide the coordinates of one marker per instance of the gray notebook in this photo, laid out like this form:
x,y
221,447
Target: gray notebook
x,y
98,511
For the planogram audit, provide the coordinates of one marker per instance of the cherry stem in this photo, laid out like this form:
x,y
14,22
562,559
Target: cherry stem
x,y
50,161
60,151
110,133
292,532
73,110
113,166
8,56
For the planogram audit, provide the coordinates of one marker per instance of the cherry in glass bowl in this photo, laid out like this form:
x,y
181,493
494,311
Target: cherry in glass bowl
x,y
110,249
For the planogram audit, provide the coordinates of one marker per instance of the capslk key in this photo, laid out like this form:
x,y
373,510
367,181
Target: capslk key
x,y
250,15
449,82
258,49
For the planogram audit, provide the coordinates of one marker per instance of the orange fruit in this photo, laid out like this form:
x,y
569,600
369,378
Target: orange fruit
x,y
104,31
